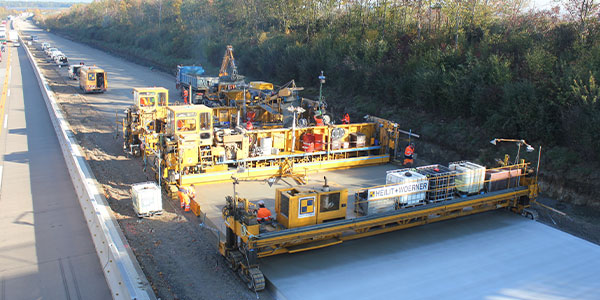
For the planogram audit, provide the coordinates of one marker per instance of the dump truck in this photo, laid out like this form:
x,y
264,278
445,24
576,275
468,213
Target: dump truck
x,y
92,79
313,217
192,78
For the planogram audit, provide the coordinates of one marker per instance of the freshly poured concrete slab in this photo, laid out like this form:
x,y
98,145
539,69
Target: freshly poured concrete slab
x,y
494,255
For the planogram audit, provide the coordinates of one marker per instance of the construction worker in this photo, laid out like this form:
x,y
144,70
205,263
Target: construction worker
x,y
263,214
346,119
185,96
250,116
186,193
249,125
408,154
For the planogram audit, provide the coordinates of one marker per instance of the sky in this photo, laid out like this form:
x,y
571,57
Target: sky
x,y
542,4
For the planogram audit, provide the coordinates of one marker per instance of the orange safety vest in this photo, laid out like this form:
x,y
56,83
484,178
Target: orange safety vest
x,y
346,119
409,151
185,96
250,116
319,121
185,194
263,214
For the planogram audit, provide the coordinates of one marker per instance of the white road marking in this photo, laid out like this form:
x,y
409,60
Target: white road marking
x,y
8,93
5,120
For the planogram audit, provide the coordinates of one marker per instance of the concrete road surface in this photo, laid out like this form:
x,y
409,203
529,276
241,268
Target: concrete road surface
x,y
46,251
496,255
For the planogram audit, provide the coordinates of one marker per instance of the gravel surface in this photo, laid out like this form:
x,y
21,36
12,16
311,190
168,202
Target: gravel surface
x,y
179,257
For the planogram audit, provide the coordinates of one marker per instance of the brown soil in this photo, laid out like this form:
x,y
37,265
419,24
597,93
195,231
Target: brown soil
x,y
179,257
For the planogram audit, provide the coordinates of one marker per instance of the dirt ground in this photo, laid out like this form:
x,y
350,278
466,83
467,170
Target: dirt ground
x,y
178,256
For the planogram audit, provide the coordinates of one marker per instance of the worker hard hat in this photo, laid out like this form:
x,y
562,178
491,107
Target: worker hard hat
x,y
260,202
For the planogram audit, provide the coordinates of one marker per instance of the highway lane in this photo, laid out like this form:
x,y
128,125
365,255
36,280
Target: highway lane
x,y
45,247
497,255
123,76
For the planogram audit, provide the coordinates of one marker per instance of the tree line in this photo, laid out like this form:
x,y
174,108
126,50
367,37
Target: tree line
x,y
459,71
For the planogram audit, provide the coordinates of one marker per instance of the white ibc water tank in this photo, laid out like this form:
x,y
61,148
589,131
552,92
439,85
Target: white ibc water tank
x,y
378,206
469,176
412,186
147,199
267,145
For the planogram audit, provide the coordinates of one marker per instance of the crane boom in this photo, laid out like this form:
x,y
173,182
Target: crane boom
x,y
228,60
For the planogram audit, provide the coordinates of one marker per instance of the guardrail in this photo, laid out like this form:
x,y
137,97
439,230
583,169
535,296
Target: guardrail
x,y
123,274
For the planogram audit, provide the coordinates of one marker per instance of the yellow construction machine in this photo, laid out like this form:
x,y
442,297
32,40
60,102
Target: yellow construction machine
x,y
315,217
207,145
144,121
92,79
228,67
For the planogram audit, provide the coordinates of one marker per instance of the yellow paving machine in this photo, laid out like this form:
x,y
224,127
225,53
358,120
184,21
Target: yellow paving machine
x,y
144,121
312,218
208,145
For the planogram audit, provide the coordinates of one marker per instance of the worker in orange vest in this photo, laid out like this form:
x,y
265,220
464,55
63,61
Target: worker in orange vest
x,y
346,119
250,116
319,121
264,214
408,154
185,195
249,126
185,96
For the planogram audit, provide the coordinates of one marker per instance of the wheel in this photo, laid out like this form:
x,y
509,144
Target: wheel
x,y
257,280
234,258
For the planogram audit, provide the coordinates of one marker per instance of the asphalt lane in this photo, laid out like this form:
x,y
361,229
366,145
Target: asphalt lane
x,y
46,251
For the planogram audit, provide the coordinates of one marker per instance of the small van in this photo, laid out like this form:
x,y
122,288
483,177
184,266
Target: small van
x,y
92,79
61,60
74,71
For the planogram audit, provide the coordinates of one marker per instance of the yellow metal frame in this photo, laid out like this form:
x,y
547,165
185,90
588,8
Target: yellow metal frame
x,y
365,226
331,162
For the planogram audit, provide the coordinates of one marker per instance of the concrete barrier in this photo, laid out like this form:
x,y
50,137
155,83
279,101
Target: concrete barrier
x,y
122,271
